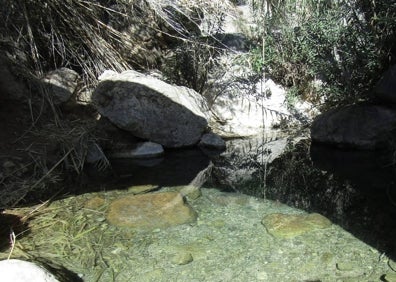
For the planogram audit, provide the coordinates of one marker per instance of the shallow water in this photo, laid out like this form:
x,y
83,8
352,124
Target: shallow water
x,y
228,242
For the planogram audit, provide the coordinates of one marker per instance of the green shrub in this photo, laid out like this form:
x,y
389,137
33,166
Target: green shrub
x,y
346,45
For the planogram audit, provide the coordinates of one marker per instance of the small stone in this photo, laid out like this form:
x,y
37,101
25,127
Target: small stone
x,y
218,223
156,274
212,141
345,266
262,276
327,258
182,258
291,225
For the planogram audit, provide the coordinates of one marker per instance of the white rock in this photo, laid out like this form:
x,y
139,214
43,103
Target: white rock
x,y
15,270
247,114
107,74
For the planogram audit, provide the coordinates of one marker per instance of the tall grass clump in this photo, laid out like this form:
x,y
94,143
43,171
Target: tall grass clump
x,y
71,33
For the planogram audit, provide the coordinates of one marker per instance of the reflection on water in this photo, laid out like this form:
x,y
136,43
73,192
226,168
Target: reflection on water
x,y
354,189
177,167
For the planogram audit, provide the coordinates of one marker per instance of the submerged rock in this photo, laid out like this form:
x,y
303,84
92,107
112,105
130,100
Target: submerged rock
x,y
182,258
291,225
94,203
390,277
151,211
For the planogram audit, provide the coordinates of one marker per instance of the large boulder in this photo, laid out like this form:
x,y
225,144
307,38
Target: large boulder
x,y
244,104
359,126
149,108
242,110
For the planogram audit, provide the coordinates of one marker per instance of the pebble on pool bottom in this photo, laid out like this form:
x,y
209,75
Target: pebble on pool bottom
x,y
291,225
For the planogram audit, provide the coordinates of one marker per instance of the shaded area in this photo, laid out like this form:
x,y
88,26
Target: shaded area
x,y
372,177
175,168
11,225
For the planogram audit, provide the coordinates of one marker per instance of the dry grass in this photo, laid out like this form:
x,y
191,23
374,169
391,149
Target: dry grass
x,y
74,235
58,33
43,175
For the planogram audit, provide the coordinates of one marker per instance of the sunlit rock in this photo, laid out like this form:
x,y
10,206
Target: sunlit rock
x,y
15,270
245,110
291,225
173,116
151,211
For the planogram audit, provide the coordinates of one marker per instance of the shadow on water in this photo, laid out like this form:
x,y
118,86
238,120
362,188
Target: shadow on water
x,y
356,190
371,212
175,168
